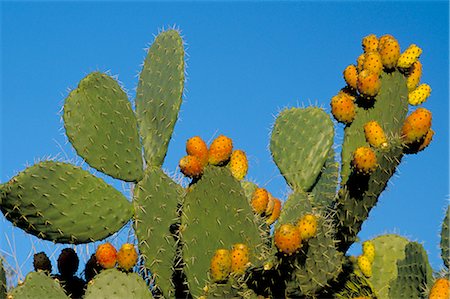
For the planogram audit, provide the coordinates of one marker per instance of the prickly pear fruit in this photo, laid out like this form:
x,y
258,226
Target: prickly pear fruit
x,y
419,95
343,107
276,210
220,265
195,146
127,256
220,150
372,62
375,135
364,160
259,201
368,250
106,255
365,265
389,50
416,125
351,76
369,84
409,56
414,76
427,140
307,225
240,258
191,166
92,268
370,43
440,289
287,239
360,62
238,164
68,262
42,262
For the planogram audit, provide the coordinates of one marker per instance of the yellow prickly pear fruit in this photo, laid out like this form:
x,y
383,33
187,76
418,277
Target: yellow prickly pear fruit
x,y
220,265
360,62
364,160
409,56
238,164
343,107
440,289
287,239
372,62
370,43
416,125
365,265
191,166
259,201
276,210
414,76
389,50
240,258
307,225
127,256
351,76
419,95
369,83
195,146
220,150
427,140
106,255
368,250
375,135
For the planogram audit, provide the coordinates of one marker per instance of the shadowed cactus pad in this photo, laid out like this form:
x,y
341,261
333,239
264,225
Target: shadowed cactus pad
x,y
38,285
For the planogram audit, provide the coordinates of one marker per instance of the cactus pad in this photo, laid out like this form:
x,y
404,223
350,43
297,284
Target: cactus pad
x,y
158,95
63,203
102,127
38,285
112,283
324,190
445,239
300,142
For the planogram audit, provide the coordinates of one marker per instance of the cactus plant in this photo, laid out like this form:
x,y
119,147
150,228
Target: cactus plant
x,y
180,228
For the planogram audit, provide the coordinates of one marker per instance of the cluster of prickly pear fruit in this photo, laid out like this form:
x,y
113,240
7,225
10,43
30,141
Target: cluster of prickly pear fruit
x,y
179,230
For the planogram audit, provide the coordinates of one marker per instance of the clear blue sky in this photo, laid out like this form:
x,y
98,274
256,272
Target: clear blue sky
x,y
246,61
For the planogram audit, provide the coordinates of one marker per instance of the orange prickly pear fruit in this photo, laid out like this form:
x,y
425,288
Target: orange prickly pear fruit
x,y
365,265
389,50
240,258
343,107
372,62
195,146
307,225
440,289
419,95
351,76
369,84
416,125
238,164
276,210
370,43
426,140
409,56
288,239
375,135
364,160
259,201
191,166
220,150
106,255
127,256
414,75
220,265
360,62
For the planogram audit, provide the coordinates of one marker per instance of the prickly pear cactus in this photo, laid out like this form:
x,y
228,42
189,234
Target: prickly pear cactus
x,y
38,285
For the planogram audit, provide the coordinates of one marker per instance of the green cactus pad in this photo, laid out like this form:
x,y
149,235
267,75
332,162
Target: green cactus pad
x,y
158,95
445,239
233,288
216,214
249,188
324,190
62,203
356,285
102,127
300,142
38,285
156,199
113,284
388,250
414,273
296,205
2,280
